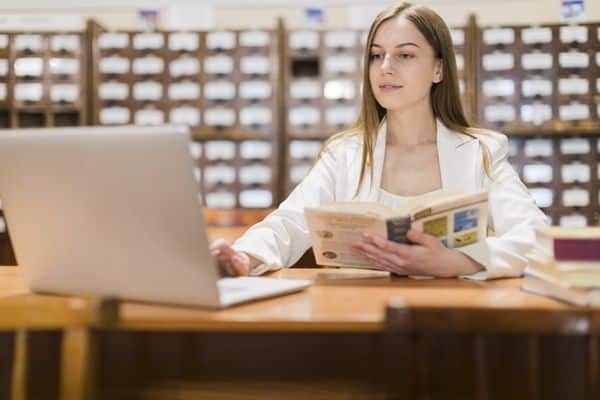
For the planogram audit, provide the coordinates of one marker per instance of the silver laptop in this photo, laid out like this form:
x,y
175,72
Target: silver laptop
x,y
115,211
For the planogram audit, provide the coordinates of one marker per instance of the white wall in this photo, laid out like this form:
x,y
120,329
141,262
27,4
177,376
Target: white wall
x,y
122,14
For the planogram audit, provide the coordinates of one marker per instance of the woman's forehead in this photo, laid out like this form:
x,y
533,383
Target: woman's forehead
x,y
396,31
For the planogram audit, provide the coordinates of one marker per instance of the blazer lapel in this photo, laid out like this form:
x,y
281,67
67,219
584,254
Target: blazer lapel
x,y
458,162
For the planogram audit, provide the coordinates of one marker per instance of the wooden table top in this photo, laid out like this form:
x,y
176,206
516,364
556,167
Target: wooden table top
x,y
357,305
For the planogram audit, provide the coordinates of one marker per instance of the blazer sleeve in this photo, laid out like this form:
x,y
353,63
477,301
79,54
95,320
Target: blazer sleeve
x,y
513,217
283,236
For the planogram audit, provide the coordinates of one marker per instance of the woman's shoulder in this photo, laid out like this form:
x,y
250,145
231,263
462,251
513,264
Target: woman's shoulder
x,y
344,141
496,142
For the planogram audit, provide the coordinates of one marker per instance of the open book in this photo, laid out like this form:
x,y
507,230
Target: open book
x,y
457,219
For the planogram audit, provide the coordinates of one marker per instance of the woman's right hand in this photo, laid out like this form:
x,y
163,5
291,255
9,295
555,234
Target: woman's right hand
x,y
230,261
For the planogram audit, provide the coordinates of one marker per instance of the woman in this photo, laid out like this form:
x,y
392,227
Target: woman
x,y
411,139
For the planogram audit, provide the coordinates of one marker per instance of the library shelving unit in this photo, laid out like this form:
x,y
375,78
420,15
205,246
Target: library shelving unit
x,y
223,84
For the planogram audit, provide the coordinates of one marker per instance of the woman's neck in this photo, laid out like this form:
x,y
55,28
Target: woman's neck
x,y
411,127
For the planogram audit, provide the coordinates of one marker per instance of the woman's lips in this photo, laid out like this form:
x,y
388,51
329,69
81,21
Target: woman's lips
x,y
389,87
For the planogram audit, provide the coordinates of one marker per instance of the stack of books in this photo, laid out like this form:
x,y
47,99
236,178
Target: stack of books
x,y
566,265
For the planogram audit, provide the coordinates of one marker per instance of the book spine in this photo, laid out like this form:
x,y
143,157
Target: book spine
x,y
577,249
397,228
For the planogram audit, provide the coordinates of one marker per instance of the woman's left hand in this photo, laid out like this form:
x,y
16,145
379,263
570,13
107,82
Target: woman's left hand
x,y
426,256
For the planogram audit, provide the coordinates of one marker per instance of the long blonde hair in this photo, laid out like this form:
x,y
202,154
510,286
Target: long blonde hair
x,y
444,96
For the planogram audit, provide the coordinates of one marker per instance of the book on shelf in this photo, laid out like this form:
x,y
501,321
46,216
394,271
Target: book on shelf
x,y
456,219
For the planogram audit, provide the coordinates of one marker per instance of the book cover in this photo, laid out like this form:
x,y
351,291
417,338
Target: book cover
x,y
456,219
570,244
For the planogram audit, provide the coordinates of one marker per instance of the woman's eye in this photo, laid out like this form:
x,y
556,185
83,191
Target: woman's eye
x,y
376,56
405,56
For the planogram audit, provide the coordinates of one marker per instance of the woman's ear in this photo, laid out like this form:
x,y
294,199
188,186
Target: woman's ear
x,y
438,71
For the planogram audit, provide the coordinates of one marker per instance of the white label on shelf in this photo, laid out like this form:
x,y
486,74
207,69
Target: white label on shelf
x,y
536,113
149,117
195,149
220,64
576,198
184,91
219,150
461,86
114,116
219,90
460,62
499,87
573,112
536,61
255,39
29,66
214,174
537,173
3,67
197,174
543,197
340,64
336,116
536,87
113,40
303,40
304,116
148,91
2,91
536,35
257,173
220,40
500,113
538,148
255,65
573,86
3,41
148,65
64,43
28,42
255,89
64,66
305,89
255,115
498,61
67,92
298,172
573,221
114,65
513,148
256,198
220,199
185,115
113,91
499,36
148,41
574,146
255,149
598,58
570,34
219,116
339,89
28,91
184,66
340,39
458,37
187,41
305,149
575,172
573,59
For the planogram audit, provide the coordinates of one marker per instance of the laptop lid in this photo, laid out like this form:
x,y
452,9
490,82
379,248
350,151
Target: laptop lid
x,y
111,211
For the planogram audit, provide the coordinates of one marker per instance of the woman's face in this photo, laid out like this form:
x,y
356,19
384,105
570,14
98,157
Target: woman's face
x,y
402,66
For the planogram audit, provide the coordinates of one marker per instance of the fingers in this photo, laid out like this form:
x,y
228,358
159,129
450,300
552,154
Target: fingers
x,y
230,261
422,238
382,259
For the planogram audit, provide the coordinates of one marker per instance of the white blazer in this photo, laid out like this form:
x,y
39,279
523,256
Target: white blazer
x,y
283,236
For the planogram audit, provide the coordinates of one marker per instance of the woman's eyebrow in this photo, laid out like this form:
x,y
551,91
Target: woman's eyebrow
x,y
397,46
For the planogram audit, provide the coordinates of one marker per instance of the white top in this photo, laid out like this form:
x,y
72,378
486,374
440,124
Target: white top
x,y
395,201
283,237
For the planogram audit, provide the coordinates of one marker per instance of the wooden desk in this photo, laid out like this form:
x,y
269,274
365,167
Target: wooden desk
x,y
384,338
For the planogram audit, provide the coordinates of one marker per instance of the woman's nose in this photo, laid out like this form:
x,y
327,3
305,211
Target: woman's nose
x,y
386,64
